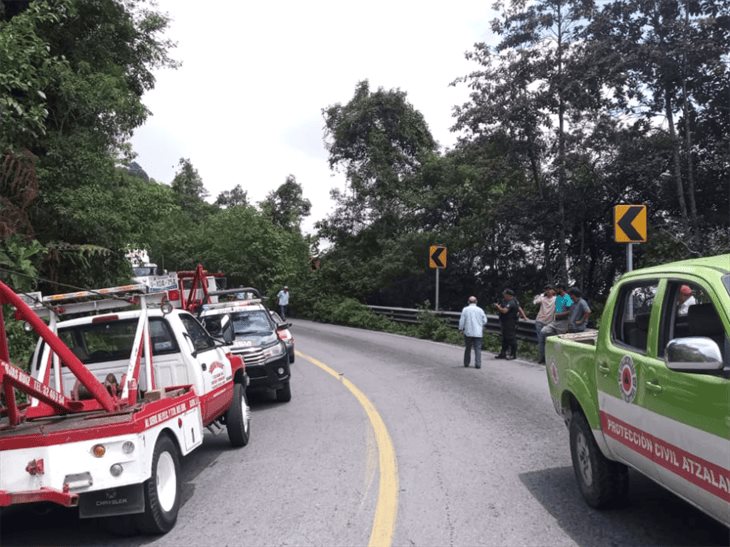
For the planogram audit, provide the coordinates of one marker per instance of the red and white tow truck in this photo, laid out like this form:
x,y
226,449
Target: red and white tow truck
x,y
115,400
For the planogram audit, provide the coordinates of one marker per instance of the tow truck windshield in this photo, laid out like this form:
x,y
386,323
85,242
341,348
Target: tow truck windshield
x,y
251,322
142,271
113,341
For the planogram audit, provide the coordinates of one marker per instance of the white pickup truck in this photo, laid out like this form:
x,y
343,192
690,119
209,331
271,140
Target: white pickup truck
x,y
115,401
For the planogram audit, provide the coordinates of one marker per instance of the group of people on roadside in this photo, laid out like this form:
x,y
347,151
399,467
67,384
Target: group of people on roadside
x,y
560,311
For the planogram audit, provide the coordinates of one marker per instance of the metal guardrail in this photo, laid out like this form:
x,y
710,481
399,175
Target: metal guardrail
x,y
525,329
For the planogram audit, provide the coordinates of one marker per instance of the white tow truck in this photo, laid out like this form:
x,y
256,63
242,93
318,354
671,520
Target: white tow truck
x,y
150,274
115,399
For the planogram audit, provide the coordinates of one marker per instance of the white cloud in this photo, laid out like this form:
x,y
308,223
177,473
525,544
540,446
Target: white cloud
x,y
245,106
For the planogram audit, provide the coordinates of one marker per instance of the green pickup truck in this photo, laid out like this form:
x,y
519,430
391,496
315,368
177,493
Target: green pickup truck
x,y
651,389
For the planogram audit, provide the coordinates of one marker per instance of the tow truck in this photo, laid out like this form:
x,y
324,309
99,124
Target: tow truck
x,y
148,273
115,399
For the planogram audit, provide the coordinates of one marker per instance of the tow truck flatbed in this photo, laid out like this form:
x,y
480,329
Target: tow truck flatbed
x,y
96,424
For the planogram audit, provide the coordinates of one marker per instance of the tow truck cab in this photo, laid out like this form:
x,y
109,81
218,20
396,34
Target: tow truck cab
x,y
183,353
651,389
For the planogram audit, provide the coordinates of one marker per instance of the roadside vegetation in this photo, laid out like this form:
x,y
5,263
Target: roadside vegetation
x,y
573,107
351,313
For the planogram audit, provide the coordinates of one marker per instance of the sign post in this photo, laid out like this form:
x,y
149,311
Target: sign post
x,y
630,226
437,261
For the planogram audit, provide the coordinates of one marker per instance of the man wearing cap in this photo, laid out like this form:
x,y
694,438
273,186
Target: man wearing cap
x,y
471,324
579,311
283,301
685,300
509,312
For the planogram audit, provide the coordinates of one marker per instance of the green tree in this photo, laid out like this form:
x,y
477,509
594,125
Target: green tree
x,y
380,141
286,206
79,70
28,65
669,58
188,185
236,197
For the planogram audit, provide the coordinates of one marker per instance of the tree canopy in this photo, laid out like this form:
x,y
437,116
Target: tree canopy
x,y
575,106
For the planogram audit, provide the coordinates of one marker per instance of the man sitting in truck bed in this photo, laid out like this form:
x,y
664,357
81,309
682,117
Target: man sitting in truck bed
x,y
579,311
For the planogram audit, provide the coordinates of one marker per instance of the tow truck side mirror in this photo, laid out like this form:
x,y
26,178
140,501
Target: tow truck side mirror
x,y
694,354
283,326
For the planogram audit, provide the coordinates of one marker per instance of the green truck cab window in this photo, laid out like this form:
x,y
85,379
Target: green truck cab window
x,y
632,315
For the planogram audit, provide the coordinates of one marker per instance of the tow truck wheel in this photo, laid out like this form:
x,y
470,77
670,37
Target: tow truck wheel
x,y
238,418
161,490
283,395
603,483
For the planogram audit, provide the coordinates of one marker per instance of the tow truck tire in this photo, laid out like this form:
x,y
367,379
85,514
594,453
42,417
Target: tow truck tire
x,y
283,395
603,483
162,489
238,418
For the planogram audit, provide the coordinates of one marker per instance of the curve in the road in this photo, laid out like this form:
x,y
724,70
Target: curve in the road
x,y
386,508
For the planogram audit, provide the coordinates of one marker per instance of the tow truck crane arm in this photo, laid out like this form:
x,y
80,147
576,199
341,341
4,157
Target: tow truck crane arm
x,y
12,377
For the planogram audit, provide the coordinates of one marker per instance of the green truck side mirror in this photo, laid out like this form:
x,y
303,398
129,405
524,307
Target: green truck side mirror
x,y
693,354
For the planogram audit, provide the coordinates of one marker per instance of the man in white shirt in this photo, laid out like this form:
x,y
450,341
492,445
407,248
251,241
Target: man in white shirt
x,y
545,315
283,301
471,323
685,300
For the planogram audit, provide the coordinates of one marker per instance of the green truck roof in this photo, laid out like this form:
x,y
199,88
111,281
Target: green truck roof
x,y
719,263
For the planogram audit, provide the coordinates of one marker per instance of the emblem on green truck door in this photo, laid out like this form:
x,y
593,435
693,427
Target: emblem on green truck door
x,y
627,378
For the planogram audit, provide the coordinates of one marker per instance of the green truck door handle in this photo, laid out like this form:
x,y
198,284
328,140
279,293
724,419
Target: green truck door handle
x,y
603,368
654,387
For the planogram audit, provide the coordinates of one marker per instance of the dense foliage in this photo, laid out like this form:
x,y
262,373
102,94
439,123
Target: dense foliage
x,y
576,107
71,86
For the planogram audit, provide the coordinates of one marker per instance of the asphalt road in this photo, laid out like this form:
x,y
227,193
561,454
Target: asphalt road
x,y
482,460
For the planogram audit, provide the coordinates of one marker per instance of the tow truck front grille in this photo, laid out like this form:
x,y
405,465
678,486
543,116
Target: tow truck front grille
x,y
252,356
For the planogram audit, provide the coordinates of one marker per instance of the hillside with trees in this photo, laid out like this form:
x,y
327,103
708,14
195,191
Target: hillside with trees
x,y
575,107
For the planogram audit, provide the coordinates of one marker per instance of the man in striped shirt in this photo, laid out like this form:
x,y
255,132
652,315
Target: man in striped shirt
x,y
559,325
545,316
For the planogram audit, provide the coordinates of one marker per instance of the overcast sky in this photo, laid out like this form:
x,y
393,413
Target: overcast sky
x,y
245,106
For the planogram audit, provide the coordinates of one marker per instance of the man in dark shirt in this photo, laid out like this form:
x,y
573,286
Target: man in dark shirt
x,y
509,310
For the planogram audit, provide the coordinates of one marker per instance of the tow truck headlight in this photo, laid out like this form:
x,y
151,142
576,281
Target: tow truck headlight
x,y
116,469
128,447
276,350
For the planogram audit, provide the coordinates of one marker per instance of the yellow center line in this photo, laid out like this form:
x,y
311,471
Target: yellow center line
x,y
386,509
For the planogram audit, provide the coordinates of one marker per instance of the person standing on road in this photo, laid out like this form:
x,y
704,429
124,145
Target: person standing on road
x,y
471,324
283,297
579,311
509,310
559,324
545,315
